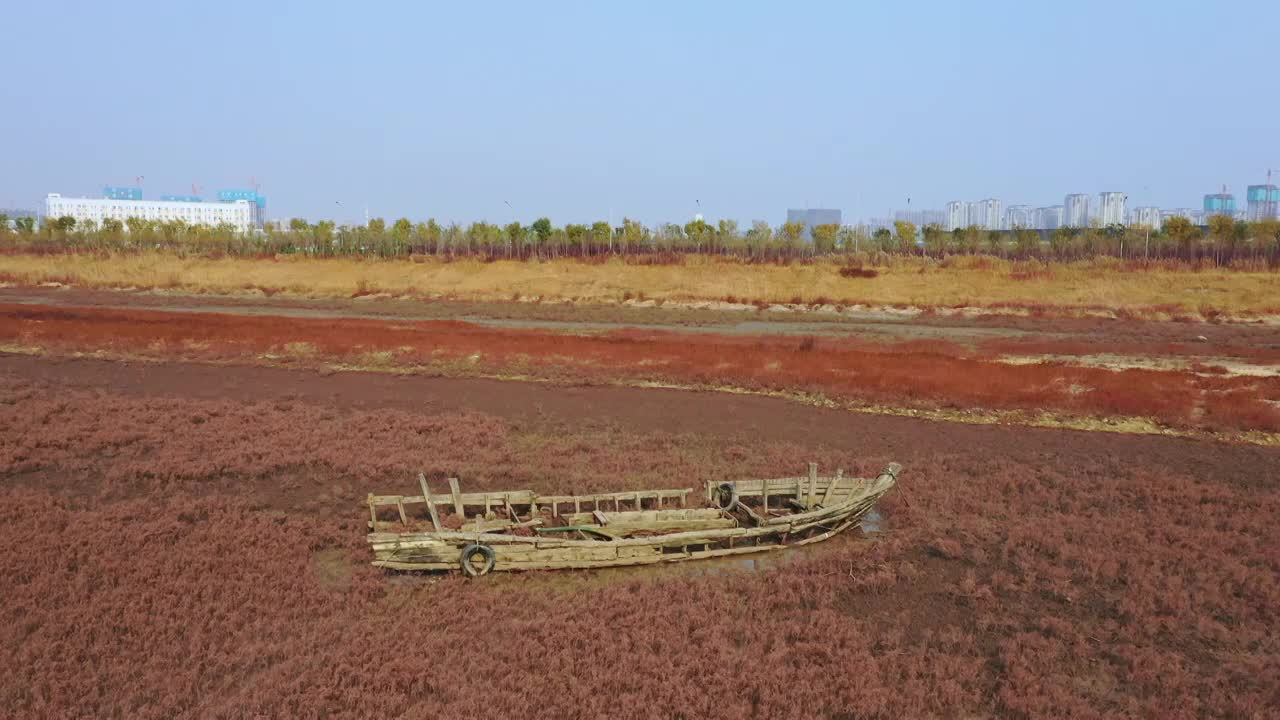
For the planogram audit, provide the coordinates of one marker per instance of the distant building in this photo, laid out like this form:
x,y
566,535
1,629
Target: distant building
x,y
812,217
1075,210
879,223
1111,208
1263,202
1195,216
922,217
1223,203
1047,218
258,200
1147,217
986,214
14,214
122,193
239,214
1020,216
957,214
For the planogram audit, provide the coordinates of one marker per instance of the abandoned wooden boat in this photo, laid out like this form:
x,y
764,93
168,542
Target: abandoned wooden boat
x,y
521,530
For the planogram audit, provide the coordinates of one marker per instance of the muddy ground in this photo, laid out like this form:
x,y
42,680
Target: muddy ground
x,y
187,541
884,324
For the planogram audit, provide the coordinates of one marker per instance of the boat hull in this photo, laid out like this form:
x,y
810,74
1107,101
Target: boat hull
x,y
445,550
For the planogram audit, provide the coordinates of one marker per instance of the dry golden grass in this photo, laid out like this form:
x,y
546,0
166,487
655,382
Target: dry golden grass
x,y
903,282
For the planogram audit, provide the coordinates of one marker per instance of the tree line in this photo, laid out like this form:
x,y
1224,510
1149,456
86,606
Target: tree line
x,y
1222,241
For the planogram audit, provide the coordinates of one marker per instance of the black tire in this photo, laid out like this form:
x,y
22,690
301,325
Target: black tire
x,y
727,490
469,552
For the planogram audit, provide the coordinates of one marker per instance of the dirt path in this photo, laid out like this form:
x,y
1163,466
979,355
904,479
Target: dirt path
x,y
717,416
601,318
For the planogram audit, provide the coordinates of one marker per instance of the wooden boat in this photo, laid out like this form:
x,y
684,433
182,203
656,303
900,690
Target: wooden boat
x,y
521,530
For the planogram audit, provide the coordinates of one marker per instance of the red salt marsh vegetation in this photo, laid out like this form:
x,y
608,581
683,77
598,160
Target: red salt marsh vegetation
x,y
925,374
187,541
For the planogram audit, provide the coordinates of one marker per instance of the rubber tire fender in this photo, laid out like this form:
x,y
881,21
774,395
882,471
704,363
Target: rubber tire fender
x,y
470,551
729,489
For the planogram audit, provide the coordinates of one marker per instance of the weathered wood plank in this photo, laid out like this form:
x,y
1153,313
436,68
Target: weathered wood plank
x,y
431,507
813,485
831,486
457,498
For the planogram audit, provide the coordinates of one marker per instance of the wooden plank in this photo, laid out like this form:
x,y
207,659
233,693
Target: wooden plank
x,y
600,518
764,495
403,518
457,497
813,485
831,487
373,512
431,507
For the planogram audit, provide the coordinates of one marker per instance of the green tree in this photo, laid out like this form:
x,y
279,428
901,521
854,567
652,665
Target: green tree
x,y
634,235
602,235
542,228
760,239
727,236
883,239
792,235
824,238
1266,233
514,233
905,233
1027,241
1182,233
376,226
1221,231
699,233
849,239
935,239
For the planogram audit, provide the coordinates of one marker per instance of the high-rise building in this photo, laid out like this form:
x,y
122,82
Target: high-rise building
x,y
812,217
1223,203
957,214
1263,202
1111,208
1075,210
1018,216
1146,217
1047,218
985,214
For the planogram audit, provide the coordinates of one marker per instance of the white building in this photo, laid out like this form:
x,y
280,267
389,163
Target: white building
x,y
1075,210
1047,218
957,214
1147,217
1018,216
239,214
986,214
1196,217
1111,208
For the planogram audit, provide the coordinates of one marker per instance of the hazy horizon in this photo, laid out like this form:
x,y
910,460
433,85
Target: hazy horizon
x,y
583,112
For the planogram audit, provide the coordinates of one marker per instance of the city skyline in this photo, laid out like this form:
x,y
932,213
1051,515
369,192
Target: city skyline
x,y
614,123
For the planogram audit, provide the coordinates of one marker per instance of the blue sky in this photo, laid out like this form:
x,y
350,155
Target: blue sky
x,y
653,110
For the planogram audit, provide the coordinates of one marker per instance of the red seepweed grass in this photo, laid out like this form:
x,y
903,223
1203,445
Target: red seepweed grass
x,y
920,374
156,566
